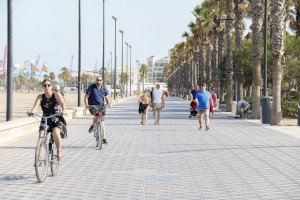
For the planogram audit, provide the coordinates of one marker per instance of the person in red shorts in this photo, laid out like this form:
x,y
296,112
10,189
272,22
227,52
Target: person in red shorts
x,y
214,102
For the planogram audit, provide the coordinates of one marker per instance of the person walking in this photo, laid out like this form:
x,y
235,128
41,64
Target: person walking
x,y
194,92
204,101
143,107
158,103
214,102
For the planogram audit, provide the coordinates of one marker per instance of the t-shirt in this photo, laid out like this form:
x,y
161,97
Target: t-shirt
x,y
96,96
243,103
157,95
204,99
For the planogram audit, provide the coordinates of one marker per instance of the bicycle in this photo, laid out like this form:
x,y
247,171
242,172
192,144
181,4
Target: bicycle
x,y
45,152
98,130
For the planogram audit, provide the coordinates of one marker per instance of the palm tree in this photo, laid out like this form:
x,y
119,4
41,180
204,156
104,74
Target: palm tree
x,y
143,73
257,16
239,29
295,22
229,57
278,35
86,80
65,76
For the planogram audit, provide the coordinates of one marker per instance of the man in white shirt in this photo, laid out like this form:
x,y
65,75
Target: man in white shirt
x,y
158,103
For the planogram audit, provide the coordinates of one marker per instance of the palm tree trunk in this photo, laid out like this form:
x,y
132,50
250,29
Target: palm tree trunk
x,y
214,60
257,13
229,58
201,64
208,66
220,57
239,29
278,35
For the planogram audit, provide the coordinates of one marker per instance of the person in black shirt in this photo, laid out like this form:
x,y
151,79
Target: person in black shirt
x,y
51,103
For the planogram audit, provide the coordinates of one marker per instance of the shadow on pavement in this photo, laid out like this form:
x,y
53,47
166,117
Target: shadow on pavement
x,y
230,148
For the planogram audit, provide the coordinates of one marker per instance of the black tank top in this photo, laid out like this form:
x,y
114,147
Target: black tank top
x,y
50,106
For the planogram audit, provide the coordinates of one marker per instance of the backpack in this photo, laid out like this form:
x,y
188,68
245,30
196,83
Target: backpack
x,y
102,88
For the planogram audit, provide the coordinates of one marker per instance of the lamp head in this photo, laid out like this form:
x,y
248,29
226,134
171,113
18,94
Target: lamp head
x,y
244,4
219,26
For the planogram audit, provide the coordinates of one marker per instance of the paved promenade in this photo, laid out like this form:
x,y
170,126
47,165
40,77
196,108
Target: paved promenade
x,y
235,159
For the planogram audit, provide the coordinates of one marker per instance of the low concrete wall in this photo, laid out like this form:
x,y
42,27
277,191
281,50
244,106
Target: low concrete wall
x,y
20,128
233,107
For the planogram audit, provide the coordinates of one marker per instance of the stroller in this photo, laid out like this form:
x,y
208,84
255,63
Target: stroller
x,y
193,109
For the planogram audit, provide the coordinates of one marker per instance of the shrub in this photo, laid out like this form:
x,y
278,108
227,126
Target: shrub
x,y
289,108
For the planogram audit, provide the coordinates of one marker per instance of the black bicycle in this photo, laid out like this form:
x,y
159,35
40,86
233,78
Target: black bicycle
x,y
98,130
45,152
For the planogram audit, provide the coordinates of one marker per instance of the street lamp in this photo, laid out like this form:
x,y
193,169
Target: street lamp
x,y
130,71
79,56
103,48
115,72
122,59
219,26
111,69
126,82
10,65
244,4
266,111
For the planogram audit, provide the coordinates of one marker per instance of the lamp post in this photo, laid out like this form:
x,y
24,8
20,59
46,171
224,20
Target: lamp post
x,y
266,112
103,48
130,71
10,65
115,72
122,59
111,69
126,82
79,55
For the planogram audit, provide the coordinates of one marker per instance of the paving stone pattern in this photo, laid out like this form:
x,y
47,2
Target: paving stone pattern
x,y
235,159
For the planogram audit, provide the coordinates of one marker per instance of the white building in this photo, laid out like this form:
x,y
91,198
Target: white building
x,y
156,69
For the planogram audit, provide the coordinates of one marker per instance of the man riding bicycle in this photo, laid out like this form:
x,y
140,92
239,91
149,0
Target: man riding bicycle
x,y
94,96
51,103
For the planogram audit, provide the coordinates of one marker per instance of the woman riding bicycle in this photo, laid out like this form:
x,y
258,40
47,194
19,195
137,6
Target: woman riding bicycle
x,y
51,103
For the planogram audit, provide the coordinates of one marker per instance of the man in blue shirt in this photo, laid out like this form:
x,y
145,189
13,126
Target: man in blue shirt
x,y
204,100
94,96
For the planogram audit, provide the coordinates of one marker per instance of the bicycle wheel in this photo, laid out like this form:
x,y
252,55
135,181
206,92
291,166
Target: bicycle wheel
x,y
100,136
54,164
41,160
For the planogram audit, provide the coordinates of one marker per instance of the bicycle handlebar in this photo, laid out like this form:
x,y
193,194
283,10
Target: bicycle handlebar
x,y
44,117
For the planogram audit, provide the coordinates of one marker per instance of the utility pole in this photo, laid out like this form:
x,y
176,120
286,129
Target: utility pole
x,y
79,55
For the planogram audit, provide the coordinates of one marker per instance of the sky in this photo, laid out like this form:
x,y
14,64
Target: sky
x,y
50,28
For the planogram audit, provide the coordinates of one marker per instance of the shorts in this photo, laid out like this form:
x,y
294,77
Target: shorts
x,y
56,122
143,108
205,111
97,110
157,106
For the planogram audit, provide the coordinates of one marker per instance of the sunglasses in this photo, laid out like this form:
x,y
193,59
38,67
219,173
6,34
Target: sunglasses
x,y
99,80
47,85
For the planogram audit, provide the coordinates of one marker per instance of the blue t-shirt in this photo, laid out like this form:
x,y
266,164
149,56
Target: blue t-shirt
x,y
204,99
96,96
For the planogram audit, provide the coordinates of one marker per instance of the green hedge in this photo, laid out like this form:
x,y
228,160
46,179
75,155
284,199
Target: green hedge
x,y
289,108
